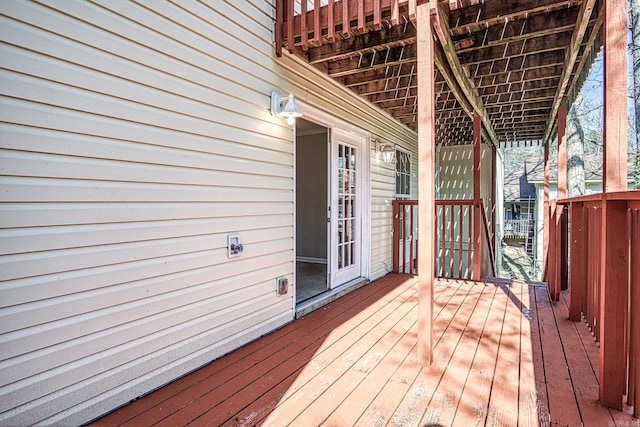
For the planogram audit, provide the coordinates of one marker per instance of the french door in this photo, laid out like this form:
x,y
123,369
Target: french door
x,y
345,208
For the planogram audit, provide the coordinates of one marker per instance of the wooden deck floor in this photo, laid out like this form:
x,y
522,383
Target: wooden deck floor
x,y
504,356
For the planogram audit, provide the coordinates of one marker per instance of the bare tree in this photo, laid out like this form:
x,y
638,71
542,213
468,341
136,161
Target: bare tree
x,y
575,149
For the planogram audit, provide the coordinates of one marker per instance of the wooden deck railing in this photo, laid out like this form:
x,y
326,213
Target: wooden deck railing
x,y
335,20
405,233
488,248
604,282
454,239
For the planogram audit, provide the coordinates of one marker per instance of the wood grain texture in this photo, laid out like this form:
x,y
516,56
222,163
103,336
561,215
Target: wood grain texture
x,y
504,354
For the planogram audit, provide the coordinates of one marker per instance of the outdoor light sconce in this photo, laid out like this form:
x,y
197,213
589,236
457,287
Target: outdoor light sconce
x,y
285,106
387,149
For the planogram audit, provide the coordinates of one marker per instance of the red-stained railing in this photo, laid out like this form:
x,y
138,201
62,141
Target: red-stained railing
x,y
454,238
488,249
300,25
405,233
604,283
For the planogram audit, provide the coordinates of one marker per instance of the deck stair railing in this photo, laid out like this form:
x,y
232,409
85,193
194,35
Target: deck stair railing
x,y
454,238
602,265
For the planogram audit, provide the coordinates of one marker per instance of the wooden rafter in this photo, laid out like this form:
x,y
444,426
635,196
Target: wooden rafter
x,y
501,60
486,14
517,30
441,27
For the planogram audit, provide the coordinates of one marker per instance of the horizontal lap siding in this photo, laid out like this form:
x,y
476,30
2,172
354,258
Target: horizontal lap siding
x,y
134,138
133,141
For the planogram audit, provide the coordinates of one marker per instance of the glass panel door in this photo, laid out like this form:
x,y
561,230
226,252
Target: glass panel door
x,y
346,219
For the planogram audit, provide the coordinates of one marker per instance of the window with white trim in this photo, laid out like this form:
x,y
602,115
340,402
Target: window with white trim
x,y
403,174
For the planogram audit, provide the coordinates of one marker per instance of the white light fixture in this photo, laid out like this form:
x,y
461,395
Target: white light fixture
x,y
285,106
387,149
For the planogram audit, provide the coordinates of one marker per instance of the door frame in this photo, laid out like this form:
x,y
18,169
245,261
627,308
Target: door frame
x,y
338,278
333,123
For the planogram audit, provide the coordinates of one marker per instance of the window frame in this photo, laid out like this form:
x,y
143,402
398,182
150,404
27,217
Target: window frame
x,y
400,152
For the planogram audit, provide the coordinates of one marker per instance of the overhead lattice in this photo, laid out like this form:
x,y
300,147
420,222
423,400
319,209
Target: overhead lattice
x,y
512,63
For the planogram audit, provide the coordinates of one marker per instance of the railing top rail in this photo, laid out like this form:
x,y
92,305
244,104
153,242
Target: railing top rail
x,y
439,202
405,202
442,202
624,195
598,197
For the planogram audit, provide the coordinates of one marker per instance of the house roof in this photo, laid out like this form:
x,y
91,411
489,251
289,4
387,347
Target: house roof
x,y
517,186
534,167
510,62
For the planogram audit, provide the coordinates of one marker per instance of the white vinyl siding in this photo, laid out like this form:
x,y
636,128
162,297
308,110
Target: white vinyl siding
x,y
455,173
135,137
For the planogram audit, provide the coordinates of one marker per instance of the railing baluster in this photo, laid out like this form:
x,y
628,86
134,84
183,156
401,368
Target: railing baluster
x,y
460,233
346,25
395,236
469,237
452,230
412,266
278,26
290,36
443,244
304,32
317,31
634,315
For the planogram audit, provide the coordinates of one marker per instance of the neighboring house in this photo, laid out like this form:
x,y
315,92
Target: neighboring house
x,y
534,171
138,153
519,208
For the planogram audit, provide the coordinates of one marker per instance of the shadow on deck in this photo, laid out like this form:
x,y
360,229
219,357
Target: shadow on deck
x,y
504,355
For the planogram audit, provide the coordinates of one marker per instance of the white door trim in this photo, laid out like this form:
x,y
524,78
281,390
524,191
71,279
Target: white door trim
x,y
334,124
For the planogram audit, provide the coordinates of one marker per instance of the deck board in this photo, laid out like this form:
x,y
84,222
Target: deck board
x,y
503,408
528,398
564,411
503,355
476,392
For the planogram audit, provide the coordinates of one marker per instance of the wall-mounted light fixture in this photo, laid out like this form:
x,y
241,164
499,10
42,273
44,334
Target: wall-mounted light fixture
x,y
285,106
387,149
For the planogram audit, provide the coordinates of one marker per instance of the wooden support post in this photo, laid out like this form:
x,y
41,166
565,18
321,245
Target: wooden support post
x,y
426,181
560,245
578,276
494,166
614,282
552,255
547,218
634,316
614,175
396,236
614,266
562,231
564,248
477,216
